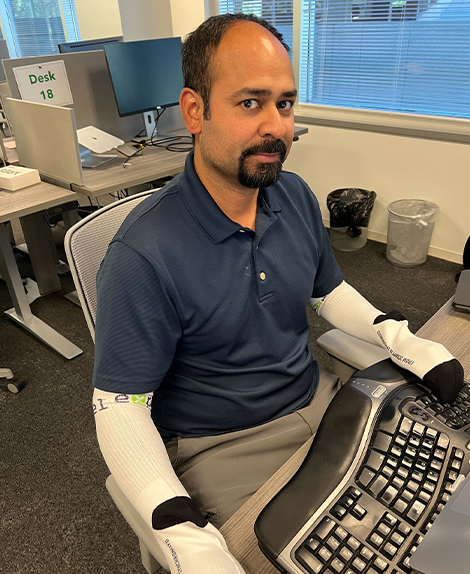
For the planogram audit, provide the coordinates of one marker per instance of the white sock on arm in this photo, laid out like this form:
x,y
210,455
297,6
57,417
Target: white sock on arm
x,y
347,310
136,456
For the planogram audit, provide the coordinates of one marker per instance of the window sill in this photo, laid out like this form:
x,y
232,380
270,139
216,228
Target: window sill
x,y
410,125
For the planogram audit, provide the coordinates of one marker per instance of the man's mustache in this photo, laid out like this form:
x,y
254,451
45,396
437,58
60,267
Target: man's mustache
x,y
269,146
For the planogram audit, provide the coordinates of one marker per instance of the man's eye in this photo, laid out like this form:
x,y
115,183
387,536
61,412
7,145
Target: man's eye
x,y
285,105
250,104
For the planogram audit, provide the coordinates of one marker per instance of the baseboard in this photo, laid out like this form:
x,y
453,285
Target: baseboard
x,y
438,252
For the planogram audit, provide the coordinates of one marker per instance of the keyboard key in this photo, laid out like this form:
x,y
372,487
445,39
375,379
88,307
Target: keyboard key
x,y
358,512
398,482
379,484
337,565
388,471
419,429
400,505
359,564
366,477
376,540
333,543
383,529
439,453
407,495
375,460
390,549
389,519
429,486
443,441
404,529
403,472
397,538
405,426
416,511
390,494
424,496
353,543
366,553
437,465
308,561
380,564
324,528
324,554
458,453
412,485
338,511
382,441
341,533
346,554
312,543
354,492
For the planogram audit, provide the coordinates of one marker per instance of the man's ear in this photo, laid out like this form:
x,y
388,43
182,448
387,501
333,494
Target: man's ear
x,y
192,110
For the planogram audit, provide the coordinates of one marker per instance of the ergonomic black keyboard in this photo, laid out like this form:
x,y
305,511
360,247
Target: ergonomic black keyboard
x,y
383,464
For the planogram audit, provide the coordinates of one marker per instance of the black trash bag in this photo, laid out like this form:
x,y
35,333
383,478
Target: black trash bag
x,y
351,208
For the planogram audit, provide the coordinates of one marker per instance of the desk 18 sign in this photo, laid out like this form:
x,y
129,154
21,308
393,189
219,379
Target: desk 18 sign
x,y
45,83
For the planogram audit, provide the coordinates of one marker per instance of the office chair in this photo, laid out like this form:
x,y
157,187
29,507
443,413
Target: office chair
x,y
85,245
14,385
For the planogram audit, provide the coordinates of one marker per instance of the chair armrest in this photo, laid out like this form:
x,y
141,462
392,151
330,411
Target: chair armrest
x,y
350,351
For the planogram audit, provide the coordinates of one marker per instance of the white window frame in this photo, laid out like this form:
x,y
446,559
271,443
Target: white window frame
x,y
9,33
412,125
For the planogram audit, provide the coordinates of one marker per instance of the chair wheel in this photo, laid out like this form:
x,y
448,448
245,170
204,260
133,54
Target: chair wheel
x,y
15,385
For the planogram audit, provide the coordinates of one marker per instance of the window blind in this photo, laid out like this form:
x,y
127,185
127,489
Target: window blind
x,y
278,13
36,27
404,55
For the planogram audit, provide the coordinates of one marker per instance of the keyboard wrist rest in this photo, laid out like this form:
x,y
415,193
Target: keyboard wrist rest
x,y
329,458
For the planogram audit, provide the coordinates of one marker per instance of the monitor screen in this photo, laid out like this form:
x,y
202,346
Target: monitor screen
x,y
146,75
88,45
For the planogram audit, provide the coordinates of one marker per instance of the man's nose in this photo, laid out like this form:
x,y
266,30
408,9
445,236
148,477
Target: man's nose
x,y
272,123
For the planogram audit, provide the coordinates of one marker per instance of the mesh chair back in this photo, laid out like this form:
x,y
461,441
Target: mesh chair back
x,y
86,244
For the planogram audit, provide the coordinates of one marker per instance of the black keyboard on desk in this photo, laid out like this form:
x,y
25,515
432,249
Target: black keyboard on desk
x,y
382,466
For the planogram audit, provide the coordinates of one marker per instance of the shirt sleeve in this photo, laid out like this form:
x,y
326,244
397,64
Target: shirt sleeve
x,y
328,275
137,326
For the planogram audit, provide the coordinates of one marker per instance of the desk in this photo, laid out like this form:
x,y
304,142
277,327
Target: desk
x,y
154,163
449,327
27,204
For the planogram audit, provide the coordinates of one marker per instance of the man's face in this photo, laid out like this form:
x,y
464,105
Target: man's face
x,y
251,123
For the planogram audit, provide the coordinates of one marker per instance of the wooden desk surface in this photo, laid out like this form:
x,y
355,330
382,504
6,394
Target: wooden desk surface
x,y
15,204
447,326
153,163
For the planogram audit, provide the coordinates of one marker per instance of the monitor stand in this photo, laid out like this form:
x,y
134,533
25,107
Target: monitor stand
x,y
150,123
90,160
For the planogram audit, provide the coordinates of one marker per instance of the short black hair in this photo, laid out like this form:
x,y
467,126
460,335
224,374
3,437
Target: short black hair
x,y
200,45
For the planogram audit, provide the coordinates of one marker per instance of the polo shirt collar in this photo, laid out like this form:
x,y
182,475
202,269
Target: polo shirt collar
x,y
205,210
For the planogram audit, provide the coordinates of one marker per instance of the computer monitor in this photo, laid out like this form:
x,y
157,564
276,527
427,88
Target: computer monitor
x,y
146,75
88,45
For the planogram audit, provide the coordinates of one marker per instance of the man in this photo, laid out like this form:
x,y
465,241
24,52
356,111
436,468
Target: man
x,y
202,330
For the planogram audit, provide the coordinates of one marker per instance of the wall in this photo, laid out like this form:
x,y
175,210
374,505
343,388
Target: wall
x,y
395,167
98,19
331,158
186,15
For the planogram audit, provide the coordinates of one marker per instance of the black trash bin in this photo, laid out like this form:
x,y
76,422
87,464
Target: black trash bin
x,y
350,210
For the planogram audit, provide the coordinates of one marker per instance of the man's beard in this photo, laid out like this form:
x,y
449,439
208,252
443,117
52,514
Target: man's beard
x,y
265,174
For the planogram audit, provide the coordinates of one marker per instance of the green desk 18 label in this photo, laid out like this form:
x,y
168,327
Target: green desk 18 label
x,y
33,79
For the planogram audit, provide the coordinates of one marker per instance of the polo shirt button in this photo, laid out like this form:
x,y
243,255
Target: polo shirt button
x,y
262,276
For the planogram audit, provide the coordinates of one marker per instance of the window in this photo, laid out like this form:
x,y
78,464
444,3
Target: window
x,y
36,27
403,56
278,13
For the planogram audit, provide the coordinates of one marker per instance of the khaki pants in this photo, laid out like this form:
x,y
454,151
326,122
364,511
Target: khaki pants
x,y
222,472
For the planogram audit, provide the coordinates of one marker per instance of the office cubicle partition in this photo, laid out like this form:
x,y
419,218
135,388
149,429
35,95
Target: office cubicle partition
x,y
93,97
46,140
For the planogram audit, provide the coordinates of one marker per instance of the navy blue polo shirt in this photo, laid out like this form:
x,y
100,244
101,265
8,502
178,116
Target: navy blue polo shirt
x,y
208,314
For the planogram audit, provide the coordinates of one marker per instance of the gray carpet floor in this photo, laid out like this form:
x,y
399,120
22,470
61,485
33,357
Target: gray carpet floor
x,y
55,513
